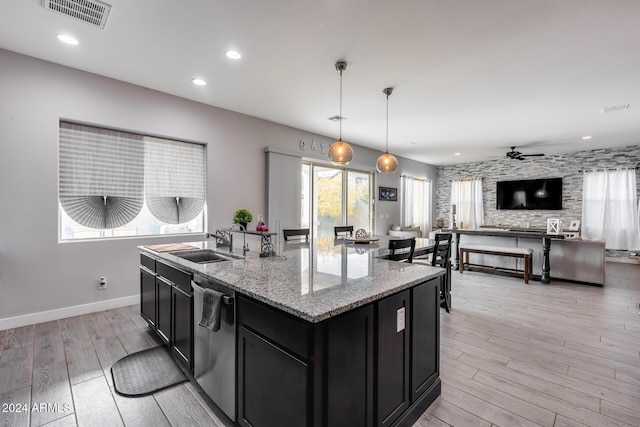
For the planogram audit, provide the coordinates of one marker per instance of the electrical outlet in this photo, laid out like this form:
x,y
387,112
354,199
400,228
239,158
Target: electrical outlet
x,y
102,283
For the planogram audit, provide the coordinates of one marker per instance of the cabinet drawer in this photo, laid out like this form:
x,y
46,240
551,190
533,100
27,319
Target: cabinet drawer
x,y
148,262
288,332
178,277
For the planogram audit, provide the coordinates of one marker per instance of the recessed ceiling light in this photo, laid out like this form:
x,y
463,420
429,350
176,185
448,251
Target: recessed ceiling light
x,y
65,38
233,54
456,154
587,137
198,82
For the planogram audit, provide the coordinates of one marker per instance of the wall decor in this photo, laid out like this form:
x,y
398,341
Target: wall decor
x,y
574,225
554,226
388,193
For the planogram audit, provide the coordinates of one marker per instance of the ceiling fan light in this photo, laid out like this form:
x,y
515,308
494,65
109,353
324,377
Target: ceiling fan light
x,y
387,163
340,153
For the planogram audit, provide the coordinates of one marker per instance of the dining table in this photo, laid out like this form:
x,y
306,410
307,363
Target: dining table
x,y
424,246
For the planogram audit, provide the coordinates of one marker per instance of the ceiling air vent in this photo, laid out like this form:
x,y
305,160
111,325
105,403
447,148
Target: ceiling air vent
x,y
90,11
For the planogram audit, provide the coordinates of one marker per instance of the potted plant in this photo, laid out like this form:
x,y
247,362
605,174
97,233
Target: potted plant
x,y
242,216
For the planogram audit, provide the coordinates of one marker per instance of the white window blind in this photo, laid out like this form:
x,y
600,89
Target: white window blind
x,y
110,179
101,175
175,179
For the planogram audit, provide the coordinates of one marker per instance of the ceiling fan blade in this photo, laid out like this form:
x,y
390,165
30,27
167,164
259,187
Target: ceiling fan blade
x,y
533,155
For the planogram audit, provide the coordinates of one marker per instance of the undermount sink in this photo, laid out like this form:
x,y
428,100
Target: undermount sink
x,y
204,256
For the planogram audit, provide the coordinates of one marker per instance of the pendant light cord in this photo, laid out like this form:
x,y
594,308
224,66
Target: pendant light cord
x,y
340,106
387,137
388,91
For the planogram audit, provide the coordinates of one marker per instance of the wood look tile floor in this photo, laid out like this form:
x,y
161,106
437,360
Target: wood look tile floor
x,y
511,355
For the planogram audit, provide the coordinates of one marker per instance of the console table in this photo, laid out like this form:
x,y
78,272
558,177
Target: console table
x,y
546,244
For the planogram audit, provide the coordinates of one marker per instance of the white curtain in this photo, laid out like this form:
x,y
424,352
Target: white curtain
x,y
416,203
466,195
406,217
609,208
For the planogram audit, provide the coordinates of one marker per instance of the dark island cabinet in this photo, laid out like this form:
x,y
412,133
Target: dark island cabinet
x,y
166,303
274,383
376,365
182,325
148,295
349,377
425,331
164,290
393,357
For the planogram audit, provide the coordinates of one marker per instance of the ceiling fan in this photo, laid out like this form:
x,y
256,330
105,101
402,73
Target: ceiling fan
x,y
516,155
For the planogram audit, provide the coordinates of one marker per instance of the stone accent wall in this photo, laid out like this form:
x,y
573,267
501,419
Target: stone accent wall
x,y
566,166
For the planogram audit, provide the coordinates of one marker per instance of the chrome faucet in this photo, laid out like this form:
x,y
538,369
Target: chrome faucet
x,y
245,245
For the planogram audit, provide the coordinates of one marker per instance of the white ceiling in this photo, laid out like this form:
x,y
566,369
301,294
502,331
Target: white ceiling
x,y
469,76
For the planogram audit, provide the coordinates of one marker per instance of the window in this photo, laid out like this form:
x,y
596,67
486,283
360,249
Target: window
x,y
335,196
416,203
115,184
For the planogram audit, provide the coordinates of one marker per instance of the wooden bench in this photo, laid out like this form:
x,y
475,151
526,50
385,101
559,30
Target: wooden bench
x,y
525,253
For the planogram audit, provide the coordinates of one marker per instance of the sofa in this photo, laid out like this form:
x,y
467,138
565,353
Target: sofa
x,y
406,232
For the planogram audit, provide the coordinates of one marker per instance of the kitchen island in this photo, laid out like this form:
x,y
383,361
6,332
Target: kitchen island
x,y
327,333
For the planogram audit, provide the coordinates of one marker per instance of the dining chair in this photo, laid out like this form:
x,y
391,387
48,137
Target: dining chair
x,y
441,257
343,231
298,233
402,249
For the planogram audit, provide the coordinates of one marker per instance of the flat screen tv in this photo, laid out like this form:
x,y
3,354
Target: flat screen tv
x,y
530,194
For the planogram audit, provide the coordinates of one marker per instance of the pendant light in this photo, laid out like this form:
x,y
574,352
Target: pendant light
x,y
340,152
387,163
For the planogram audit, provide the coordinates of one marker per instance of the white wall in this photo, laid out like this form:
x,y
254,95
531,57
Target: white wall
x,y
41,279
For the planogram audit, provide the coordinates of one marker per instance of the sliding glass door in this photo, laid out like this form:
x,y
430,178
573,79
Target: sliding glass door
x,y
336,196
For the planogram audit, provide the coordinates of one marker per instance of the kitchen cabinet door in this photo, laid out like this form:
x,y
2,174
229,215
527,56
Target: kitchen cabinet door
x,y
425,314
148,296
182,332
273,384
350,368
164,292
393,350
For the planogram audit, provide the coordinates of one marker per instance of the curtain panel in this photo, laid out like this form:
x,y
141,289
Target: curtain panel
x,y
415,203
466,195
609,208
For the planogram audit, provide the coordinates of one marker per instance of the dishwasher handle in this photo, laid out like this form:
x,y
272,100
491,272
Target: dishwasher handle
x,y
226,299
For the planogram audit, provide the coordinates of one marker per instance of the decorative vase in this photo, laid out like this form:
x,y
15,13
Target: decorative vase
x,y
243,225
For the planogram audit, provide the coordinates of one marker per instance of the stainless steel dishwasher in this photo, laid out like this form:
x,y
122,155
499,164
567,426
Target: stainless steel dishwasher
x,y
214,361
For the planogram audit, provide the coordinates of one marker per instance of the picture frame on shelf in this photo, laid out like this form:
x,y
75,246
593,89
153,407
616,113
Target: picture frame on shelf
x,y
574,225
388,193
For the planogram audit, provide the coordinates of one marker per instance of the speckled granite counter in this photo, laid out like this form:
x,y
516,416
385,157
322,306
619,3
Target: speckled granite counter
x,y
313,281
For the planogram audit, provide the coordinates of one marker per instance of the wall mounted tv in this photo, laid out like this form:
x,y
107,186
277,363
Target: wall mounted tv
x,y
530,194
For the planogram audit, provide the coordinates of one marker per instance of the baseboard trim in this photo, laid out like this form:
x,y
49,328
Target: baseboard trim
x,y
61,313
621,260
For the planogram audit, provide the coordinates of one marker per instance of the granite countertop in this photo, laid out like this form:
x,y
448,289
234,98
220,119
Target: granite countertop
x,y
312,280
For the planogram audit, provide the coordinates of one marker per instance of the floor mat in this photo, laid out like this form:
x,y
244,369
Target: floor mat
x,y
146,372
